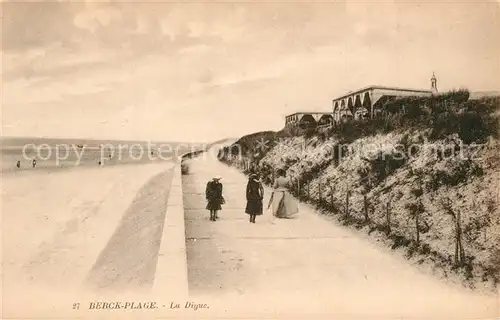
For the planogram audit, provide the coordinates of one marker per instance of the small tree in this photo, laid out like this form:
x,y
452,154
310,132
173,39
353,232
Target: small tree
x,y
417,211
319,191
457,222
347,198
367,182
368,178
332,195
388,215
366,208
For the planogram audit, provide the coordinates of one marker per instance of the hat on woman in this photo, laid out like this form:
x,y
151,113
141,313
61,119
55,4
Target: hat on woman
x,y
217,177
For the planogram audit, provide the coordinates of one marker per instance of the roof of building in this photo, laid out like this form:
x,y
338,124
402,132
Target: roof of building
x,y
382,88
307,112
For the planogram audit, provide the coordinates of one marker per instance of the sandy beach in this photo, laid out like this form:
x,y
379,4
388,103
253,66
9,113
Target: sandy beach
x,y
65,230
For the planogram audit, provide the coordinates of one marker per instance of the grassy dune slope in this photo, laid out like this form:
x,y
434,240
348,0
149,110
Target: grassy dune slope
x,y
424,180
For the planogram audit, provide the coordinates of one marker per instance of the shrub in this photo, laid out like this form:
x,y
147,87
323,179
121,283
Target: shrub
x,y
399,241
339,151
476,226
315,170
474,121
493,268
475,126
446,113
384,165
425,249
310,132
416,111
443,124
184,169
351,130
456,96
461,173
250,143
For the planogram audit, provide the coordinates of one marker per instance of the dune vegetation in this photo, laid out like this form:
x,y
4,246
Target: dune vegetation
x,y
422,178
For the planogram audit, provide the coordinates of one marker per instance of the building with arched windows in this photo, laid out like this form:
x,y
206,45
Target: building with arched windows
x,y
367,102
360,104
308,119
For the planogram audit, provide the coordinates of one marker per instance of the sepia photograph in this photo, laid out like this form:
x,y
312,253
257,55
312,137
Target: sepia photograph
x,y
250,159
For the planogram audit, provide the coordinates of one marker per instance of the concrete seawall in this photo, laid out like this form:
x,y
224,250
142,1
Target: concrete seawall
x,y
171,280
171,272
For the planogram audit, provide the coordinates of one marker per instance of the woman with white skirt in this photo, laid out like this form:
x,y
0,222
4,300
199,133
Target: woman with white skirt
x,y
284,205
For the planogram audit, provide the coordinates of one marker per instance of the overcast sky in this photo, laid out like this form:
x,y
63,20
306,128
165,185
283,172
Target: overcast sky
x,y
205,71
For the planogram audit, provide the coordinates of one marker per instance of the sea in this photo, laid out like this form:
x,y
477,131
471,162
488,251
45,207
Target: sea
x,y
28,154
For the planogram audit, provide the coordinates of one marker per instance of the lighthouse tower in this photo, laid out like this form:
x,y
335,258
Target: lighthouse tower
x,y
434,88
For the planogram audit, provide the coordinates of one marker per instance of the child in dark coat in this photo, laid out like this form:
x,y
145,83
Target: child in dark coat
x,y
214,197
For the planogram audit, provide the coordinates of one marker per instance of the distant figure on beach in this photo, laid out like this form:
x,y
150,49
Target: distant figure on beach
x,y
18,164
34,163
283,203
214,197
255,194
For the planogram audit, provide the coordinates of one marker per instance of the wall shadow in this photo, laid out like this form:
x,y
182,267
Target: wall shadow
x,y
130,257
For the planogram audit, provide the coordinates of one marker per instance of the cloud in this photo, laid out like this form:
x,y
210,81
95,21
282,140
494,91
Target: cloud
x,y
145,70
46,64
49,23
46,91
139,27
93,19
206,76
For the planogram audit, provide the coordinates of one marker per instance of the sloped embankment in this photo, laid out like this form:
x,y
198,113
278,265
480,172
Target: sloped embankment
x,y
423,181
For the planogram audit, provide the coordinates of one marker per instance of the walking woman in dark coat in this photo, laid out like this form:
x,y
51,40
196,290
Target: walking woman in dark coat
x,y
214,197
255,194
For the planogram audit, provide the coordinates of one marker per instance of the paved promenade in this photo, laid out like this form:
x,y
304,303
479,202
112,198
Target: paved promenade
x,y
303,267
